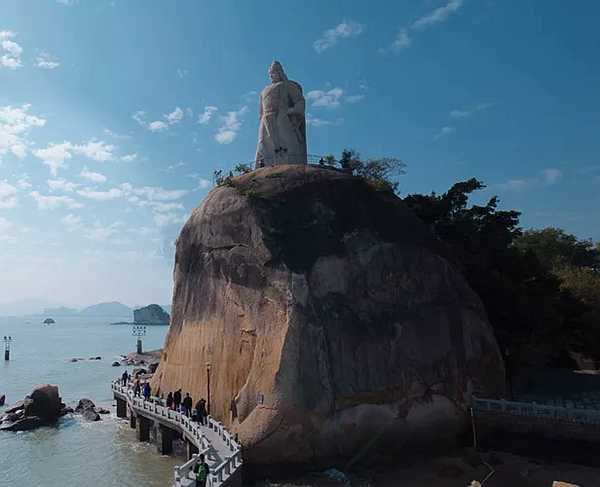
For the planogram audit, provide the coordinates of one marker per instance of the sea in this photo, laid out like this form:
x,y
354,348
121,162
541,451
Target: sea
x,y
75,452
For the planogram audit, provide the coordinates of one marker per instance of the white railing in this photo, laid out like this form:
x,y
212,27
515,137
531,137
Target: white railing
x,y
153,408
542,411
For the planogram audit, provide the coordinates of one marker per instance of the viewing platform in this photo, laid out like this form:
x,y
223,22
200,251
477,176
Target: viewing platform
x,y
155,422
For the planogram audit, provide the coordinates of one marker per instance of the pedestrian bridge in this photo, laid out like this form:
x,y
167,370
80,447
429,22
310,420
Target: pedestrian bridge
x,y
155,422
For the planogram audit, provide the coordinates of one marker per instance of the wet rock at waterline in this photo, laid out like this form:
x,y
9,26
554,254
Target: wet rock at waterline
x,y
42,407
87,409
2,399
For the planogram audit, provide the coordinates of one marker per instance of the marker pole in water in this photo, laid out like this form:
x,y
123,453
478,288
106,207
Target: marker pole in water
x,y
138,331
7,341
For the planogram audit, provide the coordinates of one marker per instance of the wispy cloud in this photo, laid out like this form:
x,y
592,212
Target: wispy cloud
x,y
547,177
107,195
10,51
8,195
331,98
403,37
231,123
444,131
62,184
467,112
15,124
169,119
175,116
45,61
320,122
94,177
129,157
551,175
56,155
52,202
330,37
207,114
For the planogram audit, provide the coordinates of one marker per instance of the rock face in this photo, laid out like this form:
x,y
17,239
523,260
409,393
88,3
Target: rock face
x,y
152,314
42,407
328,319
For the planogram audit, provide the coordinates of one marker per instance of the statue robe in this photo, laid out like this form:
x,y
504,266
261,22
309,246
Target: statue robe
x,y
282,129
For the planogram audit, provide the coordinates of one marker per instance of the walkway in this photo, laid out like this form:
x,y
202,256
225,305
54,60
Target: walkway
x,y
223,453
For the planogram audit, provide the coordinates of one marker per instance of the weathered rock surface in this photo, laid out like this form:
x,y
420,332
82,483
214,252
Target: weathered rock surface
x,y
327,316
42,407
87,409
2,399
152,314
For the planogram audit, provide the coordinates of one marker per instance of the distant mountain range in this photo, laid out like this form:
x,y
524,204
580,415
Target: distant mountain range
x,y
36,307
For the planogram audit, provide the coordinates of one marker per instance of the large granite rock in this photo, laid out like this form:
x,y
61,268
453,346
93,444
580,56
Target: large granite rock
x,y
152,314
326,315
42,407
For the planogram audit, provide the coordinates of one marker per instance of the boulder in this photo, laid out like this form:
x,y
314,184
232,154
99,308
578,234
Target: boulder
x,y
16,406
2,399
116,364
103,411
24,424
84,404
95,358
45,403
90,415
328,318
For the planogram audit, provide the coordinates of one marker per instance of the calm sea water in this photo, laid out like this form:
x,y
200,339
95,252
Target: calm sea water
x,y
75,452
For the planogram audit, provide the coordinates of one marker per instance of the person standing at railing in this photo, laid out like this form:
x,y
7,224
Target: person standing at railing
x,y
170,400
187,405
201,412
124,378
201,470
177,399
147,390
136,388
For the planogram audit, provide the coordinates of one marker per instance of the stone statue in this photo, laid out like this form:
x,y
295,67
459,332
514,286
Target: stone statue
x,y
282,129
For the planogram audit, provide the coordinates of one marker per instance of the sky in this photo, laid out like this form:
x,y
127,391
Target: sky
x,y
114,115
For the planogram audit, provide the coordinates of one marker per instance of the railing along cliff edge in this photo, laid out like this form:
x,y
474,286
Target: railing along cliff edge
x,y
220,474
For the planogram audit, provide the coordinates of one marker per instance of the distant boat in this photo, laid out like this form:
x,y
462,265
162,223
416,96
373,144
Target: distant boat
x,y
49,321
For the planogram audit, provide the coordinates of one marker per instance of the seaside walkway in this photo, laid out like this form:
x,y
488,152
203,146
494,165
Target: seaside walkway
x,y
153,421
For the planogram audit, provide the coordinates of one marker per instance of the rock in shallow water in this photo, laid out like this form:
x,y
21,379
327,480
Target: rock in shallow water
x,y
328,318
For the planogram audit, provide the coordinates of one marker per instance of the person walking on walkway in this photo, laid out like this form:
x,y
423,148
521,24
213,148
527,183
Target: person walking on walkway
x,y
187,405
201,470
170,400
201,412
136,388
147,391
177,399
124,378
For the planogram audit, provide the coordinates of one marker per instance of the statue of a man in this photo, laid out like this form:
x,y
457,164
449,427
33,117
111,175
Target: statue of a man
x,y
282,129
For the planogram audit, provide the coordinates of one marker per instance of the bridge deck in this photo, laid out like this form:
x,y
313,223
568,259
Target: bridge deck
x,y
223,453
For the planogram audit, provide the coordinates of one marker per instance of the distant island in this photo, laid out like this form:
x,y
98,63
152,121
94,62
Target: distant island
x,y
112,309
151,315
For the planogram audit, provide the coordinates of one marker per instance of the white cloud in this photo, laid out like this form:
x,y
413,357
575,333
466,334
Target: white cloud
x,y
115,135
175,116
230,126
95,177
129,157
329,99
182,73
102,233
438,15
5,226
443,132
107,195
330,37
403,36
204,183
164,219
154,193
53,202
157,126
514,185
71,221
207,114
62,184
15,124
67,3
96,150
54,156
45,61
402,40
10,51
23,182
354,98
551,176
172,167
8,195
319,122
139,117
467,112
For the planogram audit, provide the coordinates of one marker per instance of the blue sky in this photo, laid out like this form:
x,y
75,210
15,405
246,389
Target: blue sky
x,y
114,114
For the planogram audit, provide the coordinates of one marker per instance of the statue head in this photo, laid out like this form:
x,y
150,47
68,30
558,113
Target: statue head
x,y
276,72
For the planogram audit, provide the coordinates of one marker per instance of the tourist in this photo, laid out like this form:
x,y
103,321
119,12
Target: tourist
x,y
201,413
147,390
124,378
136,388
187,405
201,470
170,400
177,399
